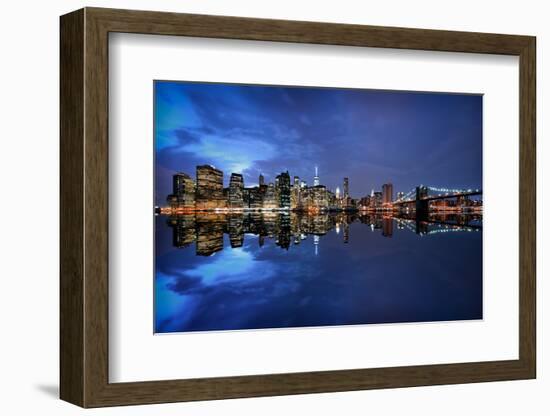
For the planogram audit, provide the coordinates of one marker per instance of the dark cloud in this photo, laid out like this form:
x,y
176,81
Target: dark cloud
x,y
188,136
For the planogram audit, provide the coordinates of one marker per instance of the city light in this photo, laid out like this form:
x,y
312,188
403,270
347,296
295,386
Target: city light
x,y
206,193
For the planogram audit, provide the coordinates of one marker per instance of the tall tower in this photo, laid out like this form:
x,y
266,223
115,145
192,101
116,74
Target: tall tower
x,y
316,181
183,190
282,182
346,187
295,201
236,188
261,180
209,194
387,193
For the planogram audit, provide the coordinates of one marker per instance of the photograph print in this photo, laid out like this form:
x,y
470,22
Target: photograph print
x,y
292,207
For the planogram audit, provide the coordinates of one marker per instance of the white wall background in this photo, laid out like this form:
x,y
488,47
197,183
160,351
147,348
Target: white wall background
x,y
29,159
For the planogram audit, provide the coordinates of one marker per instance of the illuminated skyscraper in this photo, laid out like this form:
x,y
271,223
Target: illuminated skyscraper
x,y
236,186
318,197
346,200
337,192
346,187
282,185
270,198
377,198
295,202
183,191
209,193
365,202
316,181
387,193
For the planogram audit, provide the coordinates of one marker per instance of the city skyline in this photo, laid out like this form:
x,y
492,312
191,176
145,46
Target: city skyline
x,y
206,193
373,137
303,182
316,179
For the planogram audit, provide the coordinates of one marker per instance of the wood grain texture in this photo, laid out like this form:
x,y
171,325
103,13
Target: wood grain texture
x,y
527,207
96,220
162,23
71,217
84,207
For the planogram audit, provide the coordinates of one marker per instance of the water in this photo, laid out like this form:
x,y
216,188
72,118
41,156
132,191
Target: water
x,y
229,272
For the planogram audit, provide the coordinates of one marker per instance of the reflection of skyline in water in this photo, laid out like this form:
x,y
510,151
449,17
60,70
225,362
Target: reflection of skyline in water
x,y
206,230
230,272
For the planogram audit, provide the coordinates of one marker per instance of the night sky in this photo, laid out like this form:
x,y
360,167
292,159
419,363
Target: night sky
x,y
370,136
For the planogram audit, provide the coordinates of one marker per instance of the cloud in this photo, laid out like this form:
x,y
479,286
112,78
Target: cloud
x,y
305,120
370,136
235,270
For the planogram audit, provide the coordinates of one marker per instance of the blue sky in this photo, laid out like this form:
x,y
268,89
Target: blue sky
x,y
370,136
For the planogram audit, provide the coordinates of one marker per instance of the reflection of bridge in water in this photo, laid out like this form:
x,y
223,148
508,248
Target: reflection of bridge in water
x,y
206,230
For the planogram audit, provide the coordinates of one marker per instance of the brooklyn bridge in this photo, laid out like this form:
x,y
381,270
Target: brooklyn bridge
x,y
419,198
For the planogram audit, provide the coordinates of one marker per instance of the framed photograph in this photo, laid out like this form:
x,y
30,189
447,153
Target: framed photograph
x,y
257,207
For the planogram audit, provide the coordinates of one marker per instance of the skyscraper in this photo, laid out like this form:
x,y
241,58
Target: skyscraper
x,y
261,180
346,199
209,193
253,198
387,193
365,202
346,187
377,198
183,191
295,194
236,186
318,198
270,198
316,181
282,184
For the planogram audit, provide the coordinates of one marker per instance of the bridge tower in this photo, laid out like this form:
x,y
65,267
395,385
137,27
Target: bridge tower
x,y
422,206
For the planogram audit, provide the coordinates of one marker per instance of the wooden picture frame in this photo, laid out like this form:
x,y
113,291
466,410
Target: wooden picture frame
x,y
84,207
